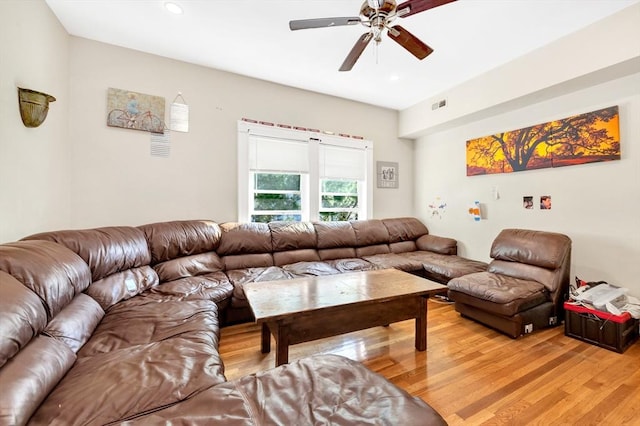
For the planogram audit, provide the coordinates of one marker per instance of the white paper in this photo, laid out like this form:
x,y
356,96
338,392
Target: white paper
x,y
160,144
179,121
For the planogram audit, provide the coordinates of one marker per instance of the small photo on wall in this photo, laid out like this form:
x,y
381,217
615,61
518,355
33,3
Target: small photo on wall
x,y
527,202
545,202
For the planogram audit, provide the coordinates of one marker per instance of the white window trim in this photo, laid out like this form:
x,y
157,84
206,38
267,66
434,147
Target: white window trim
x,y
311,205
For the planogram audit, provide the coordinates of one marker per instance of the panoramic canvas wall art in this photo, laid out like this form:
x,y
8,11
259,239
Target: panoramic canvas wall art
x,y
585,138
136,111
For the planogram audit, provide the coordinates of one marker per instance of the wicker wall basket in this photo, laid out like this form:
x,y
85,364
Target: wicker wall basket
x,y
34,106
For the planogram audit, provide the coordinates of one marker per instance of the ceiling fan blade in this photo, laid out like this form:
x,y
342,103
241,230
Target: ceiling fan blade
x,y
356,51
410,42
303,24
412,7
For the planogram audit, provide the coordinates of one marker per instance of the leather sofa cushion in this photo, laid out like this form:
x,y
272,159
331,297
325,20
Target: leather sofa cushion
x,y
337,253
76,322
544,249
23,316
171,240
437,244
189,266
292,256
110,386
402,246
370,232
523,271
215,286
511,310
404,229
140,321
330,389
372,250
351,265
243,261
292,236
335,235
244,238
122,285
106,250
495,293
301,269
48,269
27,378
239,277
323,389
443,267
395,261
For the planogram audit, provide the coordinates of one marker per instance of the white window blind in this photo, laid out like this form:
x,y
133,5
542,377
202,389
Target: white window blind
x,y
342,163
278,155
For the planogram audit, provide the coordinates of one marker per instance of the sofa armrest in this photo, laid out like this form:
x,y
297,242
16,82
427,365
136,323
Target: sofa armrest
x,y
437,244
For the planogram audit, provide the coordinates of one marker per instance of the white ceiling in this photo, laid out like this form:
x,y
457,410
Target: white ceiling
x,y
252,37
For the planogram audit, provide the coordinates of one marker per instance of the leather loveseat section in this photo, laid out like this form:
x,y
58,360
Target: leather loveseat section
x,y
523,288
77,363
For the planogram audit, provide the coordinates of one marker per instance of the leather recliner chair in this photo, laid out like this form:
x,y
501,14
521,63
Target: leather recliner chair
x,y
524,286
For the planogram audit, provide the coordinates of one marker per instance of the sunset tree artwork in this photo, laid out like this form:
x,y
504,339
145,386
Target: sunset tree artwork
x,y
585,138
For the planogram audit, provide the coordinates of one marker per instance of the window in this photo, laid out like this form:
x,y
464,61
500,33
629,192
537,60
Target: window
x,y
338,200
298,175
276,196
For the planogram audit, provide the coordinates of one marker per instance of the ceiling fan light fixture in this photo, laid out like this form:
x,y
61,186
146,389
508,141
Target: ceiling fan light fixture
x,y
174,8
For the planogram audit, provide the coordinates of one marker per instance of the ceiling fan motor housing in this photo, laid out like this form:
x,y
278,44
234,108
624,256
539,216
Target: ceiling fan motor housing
x,y
371,13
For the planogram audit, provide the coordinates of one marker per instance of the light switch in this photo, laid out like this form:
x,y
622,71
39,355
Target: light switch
x,y
494,192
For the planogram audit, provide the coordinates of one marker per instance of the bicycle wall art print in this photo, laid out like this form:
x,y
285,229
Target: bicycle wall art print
x,y
133,110
580,139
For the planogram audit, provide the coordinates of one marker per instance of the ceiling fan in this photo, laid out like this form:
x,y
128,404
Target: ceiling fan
x,y
378,15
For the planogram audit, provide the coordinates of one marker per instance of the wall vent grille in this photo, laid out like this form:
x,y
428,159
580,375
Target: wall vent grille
x,y
439,104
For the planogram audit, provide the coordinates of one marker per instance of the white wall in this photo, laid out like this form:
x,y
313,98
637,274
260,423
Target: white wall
x,y
35,172
116,181
603,51
597,205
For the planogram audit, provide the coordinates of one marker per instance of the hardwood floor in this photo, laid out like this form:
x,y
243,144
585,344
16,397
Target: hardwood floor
x,y
473,375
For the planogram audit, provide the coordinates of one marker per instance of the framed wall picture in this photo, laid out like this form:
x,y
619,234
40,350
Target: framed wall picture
x,y
133,110
387,174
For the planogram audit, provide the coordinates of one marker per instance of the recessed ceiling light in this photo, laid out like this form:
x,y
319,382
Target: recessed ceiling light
x,y
394,77
173,8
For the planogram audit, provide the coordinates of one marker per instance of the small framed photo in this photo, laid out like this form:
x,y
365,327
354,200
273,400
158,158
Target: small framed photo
x,y
545,202
387,174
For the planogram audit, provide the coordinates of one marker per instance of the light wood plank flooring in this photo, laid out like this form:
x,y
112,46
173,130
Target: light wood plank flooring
x,y
473,375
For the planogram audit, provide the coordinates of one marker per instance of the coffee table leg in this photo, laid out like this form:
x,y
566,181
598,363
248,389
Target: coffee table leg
x,y
421,326
266,339
282,344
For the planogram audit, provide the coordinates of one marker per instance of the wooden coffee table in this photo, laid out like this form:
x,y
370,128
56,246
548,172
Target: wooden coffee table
x,y
310,308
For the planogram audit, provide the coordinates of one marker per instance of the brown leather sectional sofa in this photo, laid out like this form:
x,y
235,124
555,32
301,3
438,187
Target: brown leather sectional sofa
x,y
118,324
